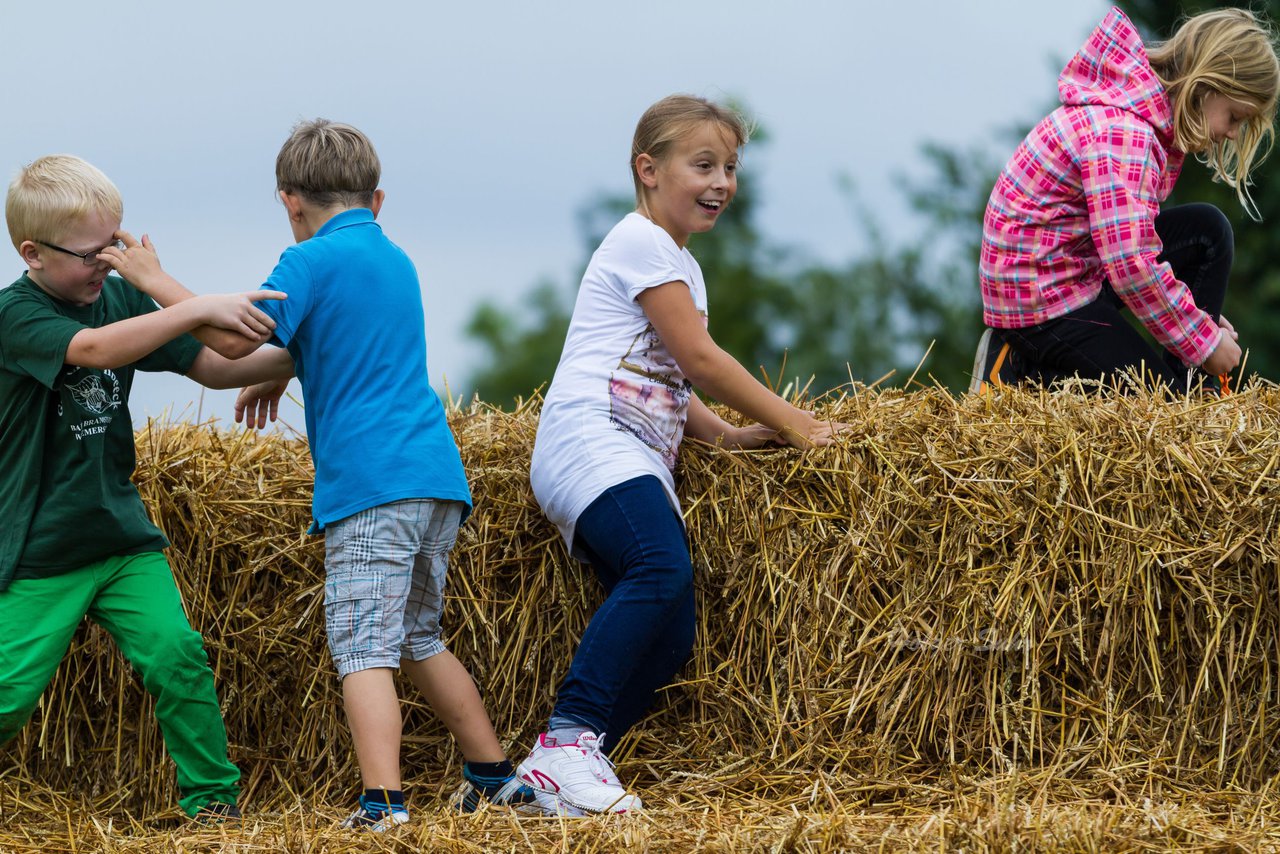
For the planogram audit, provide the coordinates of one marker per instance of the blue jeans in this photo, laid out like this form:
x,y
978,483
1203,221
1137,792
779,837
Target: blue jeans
x,y
1097,341
643,633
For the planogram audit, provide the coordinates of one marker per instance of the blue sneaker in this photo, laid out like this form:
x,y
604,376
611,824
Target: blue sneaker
x,y
376,818
512,794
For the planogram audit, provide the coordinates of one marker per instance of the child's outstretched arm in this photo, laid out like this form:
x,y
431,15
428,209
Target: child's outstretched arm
x,y
268,364
128,340
266,373
705,426
139,265
670,309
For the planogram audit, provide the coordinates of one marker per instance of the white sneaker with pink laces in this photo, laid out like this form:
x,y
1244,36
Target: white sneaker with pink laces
x,y
577,773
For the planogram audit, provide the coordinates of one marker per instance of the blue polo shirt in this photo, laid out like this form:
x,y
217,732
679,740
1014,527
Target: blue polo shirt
x,y
354,325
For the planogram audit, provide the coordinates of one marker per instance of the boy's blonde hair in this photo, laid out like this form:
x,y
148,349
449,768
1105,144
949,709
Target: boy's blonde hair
x,y
1230,52
670,120
328,163
51,194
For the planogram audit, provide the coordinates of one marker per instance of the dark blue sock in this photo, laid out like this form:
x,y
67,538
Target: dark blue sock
x,y
488,777
382,800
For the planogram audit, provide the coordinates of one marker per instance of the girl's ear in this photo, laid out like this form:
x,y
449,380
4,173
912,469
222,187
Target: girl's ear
x,y
376,204
647,169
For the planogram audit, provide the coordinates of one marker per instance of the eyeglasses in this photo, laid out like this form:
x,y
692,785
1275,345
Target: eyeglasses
x,y
90,259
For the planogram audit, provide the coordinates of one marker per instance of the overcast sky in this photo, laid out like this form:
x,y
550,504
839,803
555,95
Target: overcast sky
x,y
495,122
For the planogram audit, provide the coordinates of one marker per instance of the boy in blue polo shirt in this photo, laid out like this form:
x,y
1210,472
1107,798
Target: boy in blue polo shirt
x,y
390,491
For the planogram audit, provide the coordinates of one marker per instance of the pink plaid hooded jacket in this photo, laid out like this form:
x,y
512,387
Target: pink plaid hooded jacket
x,y
1077,202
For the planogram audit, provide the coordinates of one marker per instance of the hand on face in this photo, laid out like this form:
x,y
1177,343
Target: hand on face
x,y
136,262
57,263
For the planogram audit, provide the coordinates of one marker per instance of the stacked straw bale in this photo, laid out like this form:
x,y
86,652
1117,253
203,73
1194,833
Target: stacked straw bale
x,y
1079,590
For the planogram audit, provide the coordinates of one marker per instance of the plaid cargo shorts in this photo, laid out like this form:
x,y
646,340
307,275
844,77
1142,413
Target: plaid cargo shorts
x,y
384,582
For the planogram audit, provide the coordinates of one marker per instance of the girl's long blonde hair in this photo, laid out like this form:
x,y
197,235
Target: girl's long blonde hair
x,y
1230,52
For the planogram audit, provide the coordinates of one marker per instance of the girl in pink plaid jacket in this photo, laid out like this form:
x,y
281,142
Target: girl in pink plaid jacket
x,y
1074,234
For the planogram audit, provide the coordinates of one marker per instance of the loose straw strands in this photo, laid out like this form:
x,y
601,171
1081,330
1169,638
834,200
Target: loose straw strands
x,y
1056,604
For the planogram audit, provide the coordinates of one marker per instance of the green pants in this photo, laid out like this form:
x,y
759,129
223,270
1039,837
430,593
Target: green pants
x,y
135,599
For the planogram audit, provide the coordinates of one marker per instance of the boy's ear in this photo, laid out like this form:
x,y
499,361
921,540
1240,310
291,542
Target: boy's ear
x,y
30,254
376,205
647,169
292,204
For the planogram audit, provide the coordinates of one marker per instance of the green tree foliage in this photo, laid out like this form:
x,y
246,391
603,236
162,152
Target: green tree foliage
x,y
522,351
877,314
791,320
1253,300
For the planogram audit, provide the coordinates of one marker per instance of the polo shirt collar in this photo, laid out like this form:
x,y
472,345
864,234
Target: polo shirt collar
x,y
353,216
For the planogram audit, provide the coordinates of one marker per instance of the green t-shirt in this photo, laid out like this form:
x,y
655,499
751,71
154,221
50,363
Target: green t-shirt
x,y
66,437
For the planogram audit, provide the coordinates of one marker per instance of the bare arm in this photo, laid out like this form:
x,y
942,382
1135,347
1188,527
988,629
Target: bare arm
x,y
128,340
671,310
269,364
139,264
705,426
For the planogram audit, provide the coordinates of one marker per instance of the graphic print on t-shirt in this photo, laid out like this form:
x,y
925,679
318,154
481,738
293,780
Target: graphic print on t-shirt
x,y
648,395
96,395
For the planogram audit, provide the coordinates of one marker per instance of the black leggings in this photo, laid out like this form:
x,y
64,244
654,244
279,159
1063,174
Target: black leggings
x,y
1096,341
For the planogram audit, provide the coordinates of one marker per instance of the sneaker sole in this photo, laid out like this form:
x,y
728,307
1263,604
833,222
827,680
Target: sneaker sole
x,y
983,379
980,362
570,808
382,825
551,805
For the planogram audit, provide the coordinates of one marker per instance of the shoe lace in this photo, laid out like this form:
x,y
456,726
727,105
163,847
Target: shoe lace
x,y
596,760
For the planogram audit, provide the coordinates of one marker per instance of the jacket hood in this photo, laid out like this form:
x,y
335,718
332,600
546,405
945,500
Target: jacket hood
x,y
1112,70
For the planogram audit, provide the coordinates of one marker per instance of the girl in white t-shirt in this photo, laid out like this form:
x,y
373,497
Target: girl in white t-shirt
x,y
621,401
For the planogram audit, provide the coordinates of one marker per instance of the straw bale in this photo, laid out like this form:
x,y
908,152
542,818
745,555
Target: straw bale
x,y
1077,595
983,822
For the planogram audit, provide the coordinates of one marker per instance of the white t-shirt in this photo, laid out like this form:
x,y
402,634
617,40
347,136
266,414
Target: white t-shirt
x,y
617,406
